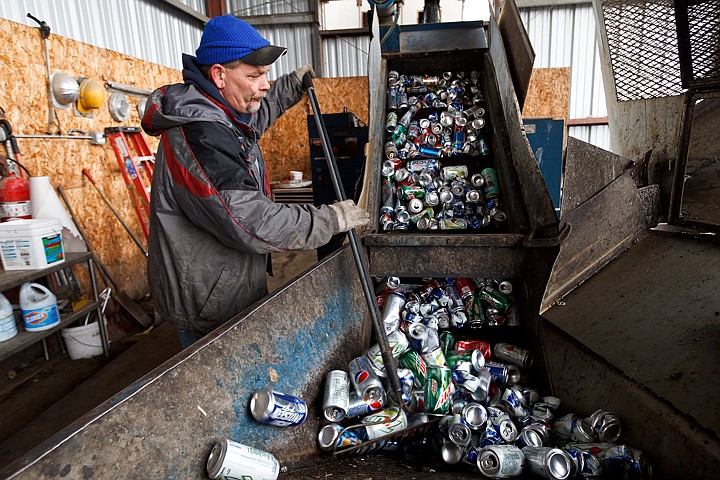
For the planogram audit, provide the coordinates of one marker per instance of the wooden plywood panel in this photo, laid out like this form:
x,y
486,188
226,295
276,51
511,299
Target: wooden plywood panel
x,y
285,145
23,96
549,94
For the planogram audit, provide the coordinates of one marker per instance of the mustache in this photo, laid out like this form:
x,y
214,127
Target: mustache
x,y
257,98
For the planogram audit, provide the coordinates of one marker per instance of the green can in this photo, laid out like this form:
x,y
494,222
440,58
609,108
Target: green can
x,y
415,363
491,188
437,389
408,192
447,343
475,311
494,297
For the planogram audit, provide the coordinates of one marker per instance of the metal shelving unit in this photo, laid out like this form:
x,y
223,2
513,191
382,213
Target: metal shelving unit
x,y
14,278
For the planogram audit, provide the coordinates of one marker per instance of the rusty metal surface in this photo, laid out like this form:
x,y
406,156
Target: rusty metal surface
x,y
164,425
602,228
584,380
517,43
588,169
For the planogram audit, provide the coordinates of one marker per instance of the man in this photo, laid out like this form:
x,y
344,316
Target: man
x,y
212,224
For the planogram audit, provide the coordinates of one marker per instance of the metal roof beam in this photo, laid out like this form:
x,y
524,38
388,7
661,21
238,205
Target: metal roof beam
x,y
279,19
548,3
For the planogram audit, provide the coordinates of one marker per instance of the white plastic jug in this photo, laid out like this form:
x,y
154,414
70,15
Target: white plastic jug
x,y
8,328
39,307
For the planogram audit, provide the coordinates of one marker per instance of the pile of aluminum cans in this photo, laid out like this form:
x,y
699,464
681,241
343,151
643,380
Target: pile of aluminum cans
x,y
438,172
473,393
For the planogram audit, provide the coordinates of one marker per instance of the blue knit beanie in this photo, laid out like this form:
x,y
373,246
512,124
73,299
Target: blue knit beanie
x,y
228,38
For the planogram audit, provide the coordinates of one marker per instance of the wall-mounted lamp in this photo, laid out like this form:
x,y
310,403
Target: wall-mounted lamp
x,y
64,90
86,95
119,106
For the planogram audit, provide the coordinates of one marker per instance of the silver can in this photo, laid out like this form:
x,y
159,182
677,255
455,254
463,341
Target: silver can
x,y
474,415
398,344
415,205
364,379
391,311
501,461
230,459
534,435
512,354
418,336
456,430
550,463
384,422
336,397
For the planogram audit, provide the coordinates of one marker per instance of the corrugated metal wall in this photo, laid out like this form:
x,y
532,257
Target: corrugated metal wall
x,y
564,36
345,56
145,29
246,8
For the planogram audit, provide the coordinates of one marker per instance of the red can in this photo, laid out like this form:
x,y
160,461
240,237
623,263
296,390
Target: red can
x,y
465,287
469,345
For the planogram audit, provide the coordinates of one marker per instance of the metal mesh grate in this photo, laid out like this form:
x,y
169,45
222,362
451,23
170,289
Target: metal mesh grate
x,y
643,48
704,33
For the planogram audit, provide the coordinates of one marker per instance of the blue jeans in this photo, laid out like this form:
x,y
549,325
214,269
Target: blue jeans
x,y
188,337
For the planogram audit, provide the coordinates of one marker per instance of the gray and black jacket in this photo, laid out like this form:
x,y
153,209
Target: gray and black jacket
x,y
212,223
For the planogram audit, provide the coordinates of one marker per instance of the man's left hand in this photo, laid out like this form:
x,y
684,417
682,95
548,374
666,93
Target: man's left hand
x,y
306,69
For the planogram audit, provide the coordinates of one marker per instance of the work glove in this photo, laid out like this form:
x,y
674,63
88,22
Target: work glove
x,y
349,215
306,69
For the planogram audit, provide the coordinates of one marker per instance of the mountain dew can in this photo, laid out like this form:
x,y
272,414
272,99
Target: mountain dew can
x,y
438,389
415,363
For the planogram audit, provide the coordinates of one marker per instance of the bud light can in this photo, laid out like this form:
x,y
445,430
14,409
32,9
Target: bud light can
x,y
335,399
277,408
364,379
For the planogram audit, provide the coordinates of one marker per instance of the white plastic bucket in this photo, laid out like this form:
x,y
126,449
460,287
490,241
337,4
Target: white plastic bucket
x,y
8,327
39,307
83,341
31,244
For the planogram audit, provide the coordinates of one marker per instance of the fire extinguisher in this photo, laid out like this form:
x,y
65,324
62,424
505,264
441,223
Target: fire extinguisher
x,y
14,188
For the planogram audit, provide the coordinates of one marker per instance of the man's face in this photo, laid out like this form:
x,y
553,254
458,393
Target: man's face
x,y
243,86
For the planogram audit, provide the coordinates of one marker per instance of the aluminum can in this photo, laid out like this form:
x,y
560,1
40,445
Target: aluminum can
x,y
332,436
512,319
414,362
336,396
408,192
564,426
506,428
417,334
498,370
464,287
438,389
483,390
391,151
474,357
230,459
415,206
277,408
475,312
423,164
357,407
392,97
432,199
492,187
588,465
398,344
494,297
606,425
550,463
450,452
474,415
391,122
454,429
447,342
534,435
430,151
501,461
511,354
384,422
394,303
622,461
453,224
434,357
513,401
545,408
364,379
469,345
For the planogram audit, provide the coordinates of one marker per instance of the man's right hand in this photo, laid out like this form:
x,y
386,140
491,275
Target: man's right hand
x,y
349,215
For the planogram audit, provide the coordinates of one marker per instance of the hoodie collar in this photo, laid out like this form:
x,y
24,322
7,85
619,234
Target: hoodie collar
x,y
193,76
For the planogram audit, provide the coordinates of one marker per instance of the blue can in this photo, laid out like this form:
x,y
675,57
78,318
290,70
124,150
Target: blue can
x,y
430,151
277,408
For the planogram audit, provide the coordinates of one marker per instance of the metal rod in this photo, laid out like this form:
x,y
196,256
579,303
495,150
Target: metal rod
x,y
365,278
117,214
56,137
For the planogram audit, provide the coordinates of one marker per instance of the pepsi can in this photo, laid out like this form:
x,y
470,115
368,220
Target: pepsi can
x,y
364,379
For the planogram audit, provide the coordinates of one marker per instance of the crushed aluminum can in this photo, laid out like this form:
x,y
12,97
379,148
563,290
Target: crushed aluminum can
x,y
334,436
454,429
474,415
391,311
512,400
505,427
501,461
384,422
398,344
435,358
413,361
606,425
451,453
417,334
588,465
483,390
550,463
357,407
438,389
534,435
